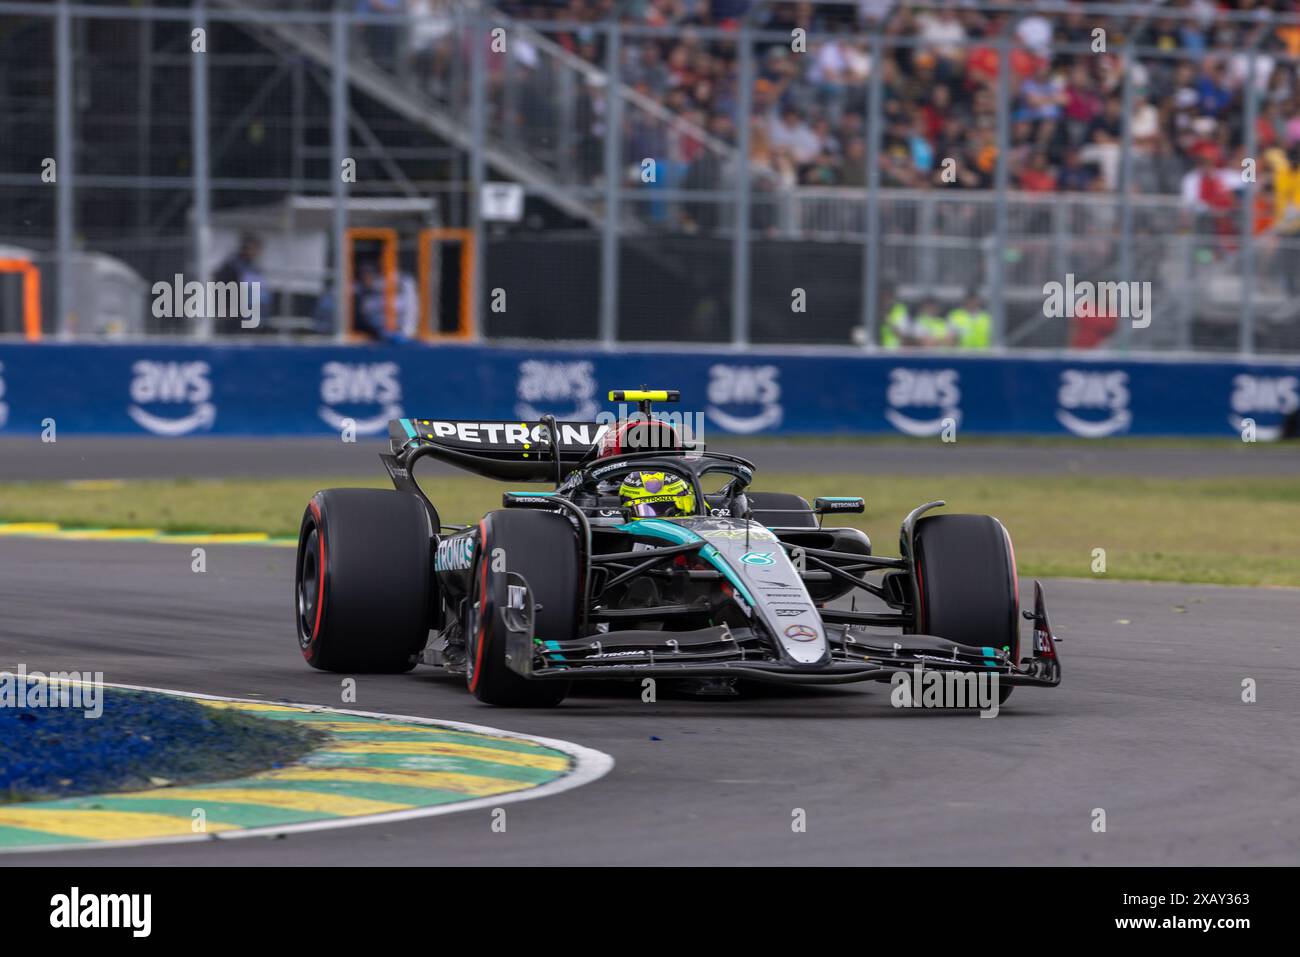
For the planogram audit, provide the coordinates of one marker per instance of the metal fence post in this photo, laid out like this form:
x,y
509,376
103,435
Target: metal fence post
x,y
927,266
1246,332
1125,328
871,234
1060,239
477,164
65,192
201,172
338,153
740,241
613,177
569,163
1001,175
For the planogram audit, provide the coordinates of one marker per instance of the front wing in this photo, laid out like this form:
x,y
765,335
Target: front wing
x,y
720,651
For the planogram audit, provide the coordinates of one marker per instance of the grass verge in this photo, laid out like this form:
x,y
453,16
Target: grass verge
x,y
1234,531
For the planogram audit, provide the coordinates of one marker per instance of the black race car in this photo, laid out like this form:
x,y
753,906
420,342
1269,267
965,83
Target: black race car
x,y
723,583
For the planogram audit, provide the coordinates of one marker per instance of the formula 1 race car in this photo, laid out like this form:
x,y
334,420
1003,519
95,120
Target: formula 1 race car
x,y
650,558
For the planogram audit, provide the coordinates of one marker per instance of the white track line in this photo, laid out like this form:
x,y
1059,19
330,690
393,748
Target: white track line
x,y
589,765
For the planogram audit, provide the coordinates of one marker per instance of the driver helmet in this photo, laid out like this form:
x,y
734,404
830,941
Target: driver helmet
x,y
656,494
640,435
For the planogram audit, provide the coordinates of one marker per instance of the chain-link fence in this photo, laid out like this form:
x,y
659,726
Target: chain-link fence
x,y
784,174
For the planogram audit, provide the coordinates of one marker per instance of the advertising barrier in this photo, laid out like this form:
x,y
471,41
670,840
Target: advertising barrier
x,y
179,390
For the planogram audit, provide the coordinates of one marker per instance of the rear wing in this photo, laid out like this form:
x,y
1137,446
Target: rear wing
x,y
513,451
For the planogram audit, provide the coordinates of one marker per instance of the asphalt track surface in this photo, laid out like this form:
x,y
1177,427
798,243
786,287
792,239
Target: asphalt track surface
x,y
75,457
1148,725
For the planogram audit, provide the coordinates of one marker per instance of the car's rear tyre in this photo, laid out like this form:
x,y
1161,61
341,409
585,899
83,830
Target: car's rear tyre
x,y
362,585
762,504
543,548
969,590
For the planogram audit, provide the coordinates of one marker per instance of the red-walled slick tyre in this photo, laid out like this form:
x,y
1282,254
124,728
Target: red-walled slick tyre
x,y
362,589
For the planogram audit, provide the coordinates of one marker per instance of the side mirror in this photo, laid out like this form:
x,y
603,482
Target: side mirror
x,y
834,504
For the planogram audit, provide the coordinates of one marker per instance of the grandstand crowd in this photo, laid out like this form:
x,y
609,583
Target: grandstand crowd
x,y
1192,79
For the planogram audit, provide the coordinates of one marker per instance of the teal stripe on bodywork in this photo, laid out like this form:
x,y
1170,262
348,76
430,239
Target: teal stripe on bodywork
x,y
678,535
712,556
410,429
658,527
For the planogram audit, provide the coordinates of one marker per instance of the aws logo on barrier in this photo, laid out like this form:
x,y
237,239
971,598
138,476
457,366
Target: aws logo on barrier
x,y
1084,395
745,399
368,393
171,398
566,389
1256,395
922,400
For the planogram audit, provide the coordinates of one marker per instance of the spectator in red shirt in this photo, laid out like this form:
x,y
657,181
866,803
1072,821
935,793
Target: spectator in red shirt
x,y
1038,176
1090,329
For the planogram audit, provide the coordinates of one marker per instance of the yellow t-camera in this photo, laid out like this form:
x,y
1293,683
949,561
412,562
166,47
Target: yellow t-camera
x,y
645,395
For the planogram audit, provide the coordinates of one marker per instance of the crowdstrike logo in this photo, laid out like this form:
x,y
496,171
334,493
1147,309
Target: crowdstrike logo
x,y
360,384
923,389
1089,391
545,384
165,385
745,399
1254,395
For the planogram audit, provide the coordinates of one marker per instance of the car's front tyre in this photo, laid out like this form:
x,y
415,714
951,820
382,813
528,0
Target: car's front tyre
x,y
969,589
542,547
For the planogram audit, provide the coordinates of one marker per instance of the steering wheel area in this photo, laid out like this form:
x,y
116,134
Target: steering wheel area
x,y
592,489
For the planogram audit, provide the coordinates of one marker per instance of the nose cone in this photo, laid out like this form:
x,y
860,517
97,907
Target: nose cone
x,y
774,585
